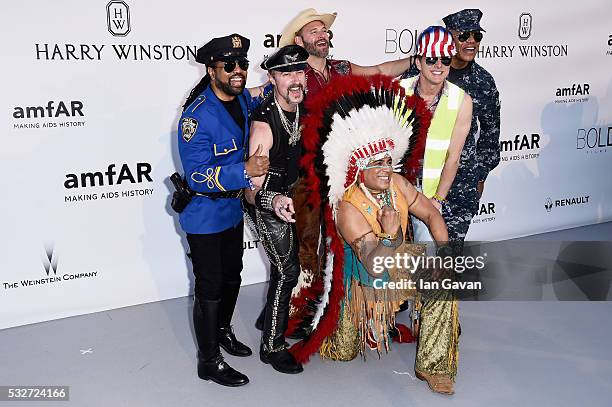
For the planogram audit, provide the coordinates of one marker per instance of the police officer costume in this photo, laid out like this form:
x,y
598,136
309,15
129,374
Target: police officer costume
x,y
279,238
212,145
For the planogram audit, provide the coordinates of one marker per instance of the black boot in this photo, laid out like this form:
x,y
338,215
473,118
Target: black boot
x,y
259,324
227,339
211,365
280,359
282,250
273,349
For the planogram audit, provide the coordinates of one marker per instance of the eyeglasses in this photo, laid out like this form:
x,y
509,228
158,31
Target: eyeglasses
x,y
463,36
446,61
229,66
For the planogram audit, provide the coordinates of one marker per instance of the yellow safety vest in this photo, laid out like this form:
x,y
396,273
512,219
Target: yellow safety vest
x,y
439,133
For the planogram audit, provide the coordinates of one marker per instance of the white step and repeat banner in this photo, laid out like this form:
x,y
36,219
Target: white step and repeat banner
x,y
91,95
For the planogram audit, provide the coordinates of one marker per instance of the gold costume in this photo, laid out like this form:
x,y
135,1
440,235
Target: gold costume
x,y
368,312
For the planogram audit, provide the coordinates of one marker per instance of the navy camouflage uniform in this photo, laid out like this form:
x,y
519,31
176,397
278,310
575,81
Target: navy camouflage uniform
x,y
480,155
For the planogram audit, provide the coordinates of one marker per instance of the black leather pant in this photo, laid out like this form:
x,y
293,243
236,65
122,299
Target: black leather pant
x,y
280,242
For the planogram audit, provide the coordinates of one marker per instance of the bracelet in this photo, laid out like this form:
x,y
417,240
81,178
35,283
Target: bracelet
x,y
247,177
263,199
439,199
388,240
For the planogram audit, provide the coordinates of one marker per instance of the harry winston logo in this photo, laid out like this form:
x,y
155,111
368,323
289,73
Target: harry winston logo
x,y
49,262
525,25
118,18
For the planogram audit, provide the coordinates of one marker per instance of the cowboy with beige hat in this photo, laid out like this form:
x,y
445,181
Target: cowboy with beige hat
x,y
310,29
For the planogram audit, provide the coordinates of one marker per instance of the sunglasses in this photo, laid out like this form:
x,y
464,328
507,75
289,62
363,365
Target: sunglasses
x,y
446,61
463,36
229,66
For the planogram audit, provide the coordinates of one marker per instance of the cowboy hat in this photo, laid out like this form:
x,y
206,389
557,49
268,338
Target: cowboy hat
x,y
304,17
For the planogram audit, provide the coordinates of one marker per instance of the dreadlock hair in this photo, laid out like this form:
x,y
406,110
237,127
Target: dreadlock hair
x,y
195,92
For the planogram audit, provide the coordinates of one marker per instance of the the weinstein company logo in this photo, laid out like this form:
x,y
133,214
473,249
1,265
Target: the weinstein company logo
x,y
50,262
525,25
51,278
118,18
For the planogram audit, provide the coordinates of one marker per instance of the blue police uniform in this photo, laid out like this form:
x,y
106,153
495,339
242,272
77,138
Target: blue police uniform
x,y
212,147
213,151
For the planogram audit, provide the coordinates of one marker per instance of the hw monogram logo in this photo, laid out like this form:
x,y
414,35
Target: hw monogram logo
x,y
118,18
525,25
236,42
50,263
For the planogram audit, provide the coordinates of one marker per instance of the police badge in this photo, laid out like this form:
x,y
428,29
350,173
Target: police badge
x,y
188,128
236,42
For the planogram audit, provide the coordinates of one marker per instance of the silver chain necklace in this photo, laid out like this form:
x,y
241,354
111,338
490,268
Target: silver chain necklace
x,y
293,129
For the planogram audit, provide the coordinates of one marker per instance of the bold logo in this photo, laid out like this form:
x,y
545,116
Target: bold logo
x,y
610,40
49,262
118,18
189,127
402,40
548,204
236,42
525,24
594,138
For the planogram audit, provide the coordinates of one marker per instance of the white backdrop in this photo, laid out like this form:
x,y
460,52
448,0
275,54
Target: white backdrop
x,y
70,249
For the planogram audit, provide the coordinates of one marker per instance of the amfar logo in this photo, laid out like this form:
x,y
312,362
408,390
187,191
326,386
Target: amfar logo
x,y
520,147
525,25
50,110
47,115
49,262
594,140
112,177
577,93
609,52
579,200
118,18
485,213
521,142
575,90
272,40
